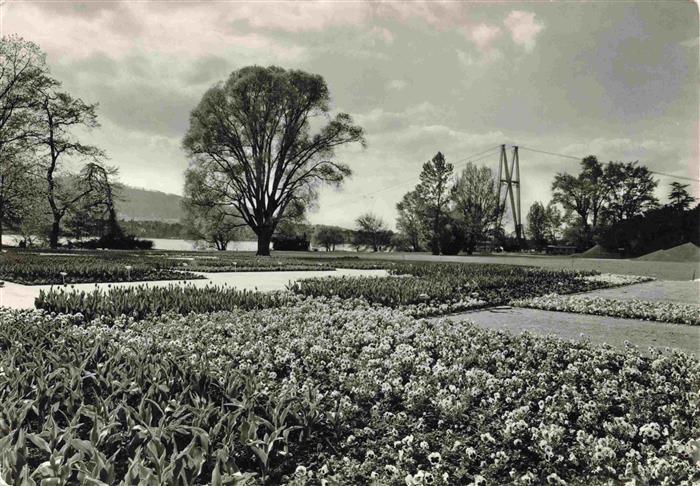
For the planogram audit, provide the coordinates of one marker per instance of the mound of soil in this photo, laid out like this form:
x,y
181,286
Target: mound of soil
x,y
599,252
687,252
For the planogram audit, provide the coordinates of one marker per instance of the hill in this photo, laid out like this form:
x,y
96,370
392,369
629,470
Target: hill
x,y
687,252
146,205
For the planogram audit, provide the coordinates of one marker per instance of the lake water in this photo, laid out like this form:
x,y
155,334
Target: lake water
x,y
159,244
180,245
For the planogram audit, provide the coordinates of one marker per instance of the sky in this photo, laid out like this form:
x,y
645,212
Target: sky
x,y
618,80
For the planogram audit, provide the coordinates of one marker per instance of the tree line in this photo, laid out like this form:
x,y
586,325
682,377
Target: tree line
x,y
447,213
601,199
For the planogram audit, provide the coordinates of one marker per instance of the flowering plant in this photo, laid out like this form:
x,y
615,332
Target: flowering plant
x,y
663,311
335,391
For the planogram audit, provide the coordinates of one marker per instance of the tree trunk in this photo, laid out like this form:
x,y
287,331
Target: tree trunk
x,y
264,238
0,232
55,230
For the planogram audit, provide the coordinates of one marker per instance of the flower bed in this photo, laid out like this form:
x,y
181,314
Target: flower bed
x,y
337,391
142,301
615,280
238,263
673,312
438,286
35,269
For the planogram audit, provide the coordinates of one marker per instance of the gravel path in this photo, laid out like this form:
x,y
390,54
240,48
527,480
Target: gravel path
x,y
22,296
659,270
599,329
658,290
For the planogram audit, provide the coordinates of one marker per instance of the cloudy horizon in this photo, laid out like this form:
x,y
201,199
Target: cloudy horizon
x,y
616,80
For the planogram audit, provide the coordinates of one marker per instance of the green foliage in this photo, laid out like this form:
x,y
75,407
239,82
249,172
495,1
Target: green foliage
x,y
475,205
433,191
329,236
537,224
142,301
371,232
451,284
153,229
629,191
335,392
409,221
35,269
271,109
658,229
679,198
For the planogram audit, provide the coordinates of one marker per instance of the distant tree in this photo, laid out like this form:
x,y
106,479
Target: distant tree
x,y
629,190
205,218
573,195
475,204
101,200
252,134
400,242
679,198
434,191
554,222
584,195
55,119
409,223
537,224
372,232
329,236
591,178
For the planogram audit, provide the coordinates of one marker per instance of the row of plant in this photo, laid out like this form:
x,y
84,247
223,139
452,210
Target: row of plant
x,y
662,311
415,296
252,264
37,269
334,391
141,301
446,287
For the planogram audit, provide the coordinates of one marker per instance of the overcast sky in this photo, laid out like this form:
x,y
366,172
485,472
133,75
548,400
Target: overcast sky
x,y
615,79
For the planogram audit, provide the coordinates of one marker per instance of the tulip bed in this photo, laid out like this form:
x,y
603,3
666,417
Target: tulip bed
x,y
673,312
440,288
334,391
253,264
141,301
35,269
435,289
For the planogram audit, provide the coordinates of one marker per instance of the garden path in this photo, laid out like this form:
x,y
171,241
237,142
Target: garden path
x,y
597,329
22,296
662,290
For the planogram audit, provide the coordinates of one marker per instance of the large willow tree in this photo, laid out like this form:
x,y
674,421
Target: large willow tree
x,y
267,141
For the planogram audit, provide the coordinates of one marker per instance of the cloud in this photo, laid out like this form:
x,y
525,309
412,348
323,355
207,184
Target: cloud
x,y
483,36
467,59
396,84
523,28
383,33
